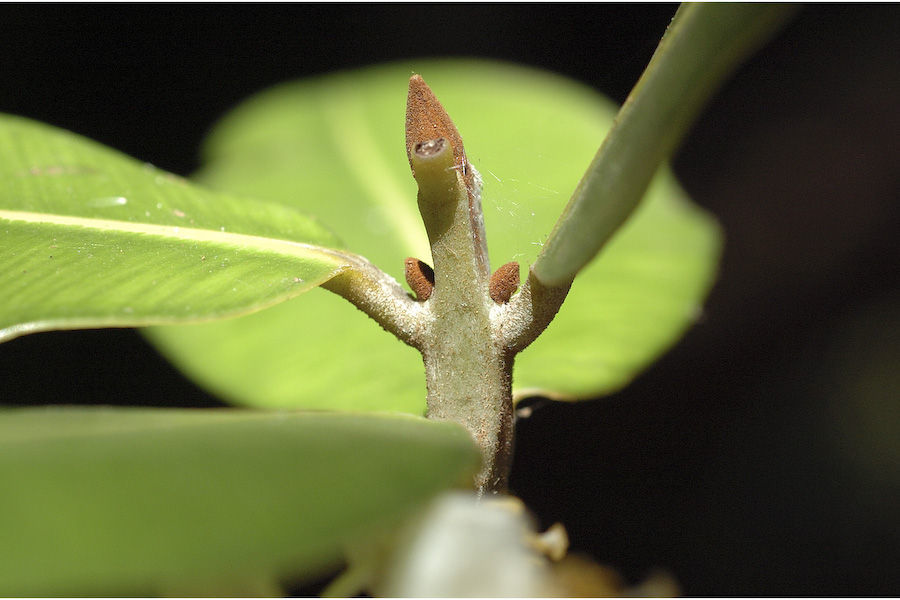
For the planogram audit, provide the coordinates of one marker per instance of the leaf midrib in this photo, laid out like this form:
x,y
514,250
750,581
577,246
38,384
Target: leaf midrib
x,y
175,232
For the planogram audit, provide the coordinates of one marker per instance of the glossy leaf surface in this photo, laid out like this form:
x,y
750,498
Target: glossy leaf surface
x,y
92,238
333,146
143,502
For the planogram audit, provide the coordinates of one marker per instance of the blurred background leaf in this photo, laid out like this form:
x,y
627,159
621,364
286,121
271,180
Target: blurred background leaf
x,y
333,146
117,502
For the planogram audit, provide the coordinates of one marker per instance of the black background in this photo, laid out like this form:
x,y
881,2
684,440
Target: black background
x,y
761,456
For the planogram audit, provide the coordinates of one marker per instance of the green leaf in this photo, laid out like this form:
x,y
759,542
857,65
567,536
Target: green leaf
x,y
89,238
333,146
141,502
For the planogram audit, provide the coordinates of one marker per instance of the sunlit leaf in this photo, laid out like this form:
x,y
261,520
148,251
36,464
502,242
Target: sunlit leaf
x,y
333,146
142,502
91,238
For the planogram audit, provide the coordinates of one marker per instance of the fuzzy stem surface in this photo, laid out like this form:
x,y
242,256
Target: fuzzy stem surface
x,y
468,336
467,374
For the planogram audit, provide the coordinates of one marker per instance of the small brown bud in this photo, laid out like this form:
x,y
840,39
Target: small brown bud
x,y
504,282
420,278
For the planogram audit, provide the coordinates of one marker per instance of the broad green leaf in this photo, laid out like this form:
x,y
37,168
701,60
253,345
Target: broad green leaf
x,y
141,502
333,146
91,238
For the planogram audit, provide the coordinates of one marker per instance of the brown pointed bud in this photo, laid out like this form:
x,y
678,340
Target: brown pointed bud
x,y
427,120
420,278
504,282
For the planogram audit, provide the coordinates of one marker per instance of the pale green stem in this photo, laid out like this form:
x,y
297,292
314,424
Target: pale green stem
x,y
702,46
380,296
517,324
466,371
467,339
